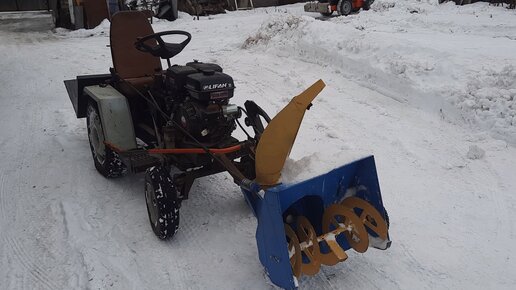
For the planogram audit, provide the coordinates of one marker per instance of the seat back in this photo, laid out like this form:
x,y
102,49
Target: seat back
x,y
129,62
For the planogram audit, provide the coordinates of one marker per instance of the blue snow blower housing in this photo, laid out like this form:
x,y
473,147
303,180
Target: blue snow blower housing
x,y
330,213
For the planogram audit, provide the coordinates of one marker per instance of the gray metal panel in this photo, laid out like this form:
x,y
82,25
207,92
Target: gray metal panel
x,y
73,90
115,116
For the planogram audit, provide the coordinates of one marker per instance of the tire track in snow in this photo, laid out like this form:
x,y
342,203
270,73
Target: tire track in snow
x,y
191,239
3,202
197,227
30,267
426,273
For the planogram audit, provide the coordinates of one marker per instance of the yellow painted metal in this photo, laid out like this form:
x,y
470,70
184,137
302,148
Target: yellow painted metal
x,y
338,219
370,217
336,253
309,246
294,251
279,136
338,216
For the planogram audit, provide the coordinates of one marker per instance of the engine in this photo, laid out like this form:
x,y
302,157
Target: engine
x,y
199,95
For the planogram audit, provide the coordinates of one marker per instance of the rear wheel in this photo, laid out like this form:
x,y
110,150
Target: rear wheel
x,y
107,162
345,7
162,201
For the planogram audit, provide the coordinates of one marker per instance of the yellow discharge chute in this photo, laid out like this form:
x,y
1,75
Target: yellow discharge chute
x,y
279,136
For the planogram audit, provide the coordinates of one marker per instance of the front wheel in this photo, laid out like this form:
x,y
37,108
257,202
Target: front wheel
x,y
345,7
162,201
107,162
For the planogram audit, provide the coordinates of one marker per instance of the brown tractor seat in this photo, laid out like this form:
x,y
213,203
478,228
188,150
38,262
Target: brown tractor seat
x,y
139,83
130,64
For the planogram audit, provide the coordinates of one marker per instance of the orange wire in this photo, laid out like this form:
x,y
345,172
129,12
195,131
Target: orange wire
x,y
195,150
182,150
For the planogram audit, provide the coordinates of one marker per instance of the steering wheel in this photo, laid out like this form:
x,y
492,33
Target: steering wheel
x,y
162,49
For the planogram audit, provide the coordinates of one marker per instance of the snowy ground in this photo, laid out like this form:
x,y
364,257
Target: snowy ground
x,y
429,90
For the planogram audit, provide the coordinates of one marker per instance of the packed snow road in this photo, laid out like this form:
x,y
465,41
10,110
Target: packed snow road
x,y
429,90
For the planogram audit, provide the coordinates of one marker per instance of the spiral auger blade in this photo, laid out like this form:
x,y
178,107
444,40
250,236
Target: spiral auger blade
x,y
369,216
345,225
294,250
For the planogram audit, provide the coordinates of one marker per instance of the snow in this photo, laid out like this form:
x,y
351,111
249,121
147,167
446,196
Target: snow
x,y
475,152
423,87
313,165
414,52
101,30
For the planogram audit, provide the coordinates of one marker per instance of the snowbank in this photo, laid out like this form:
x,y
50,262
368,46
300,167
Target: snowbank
x,y
457,61
101,30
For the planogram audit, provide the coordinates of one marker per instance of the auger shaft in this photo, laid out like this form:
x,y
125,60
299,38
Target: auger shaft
x,y
338,219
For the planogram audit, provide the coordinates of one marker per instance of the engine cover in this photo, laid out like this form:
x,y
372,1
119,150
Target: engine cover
x,y
210,85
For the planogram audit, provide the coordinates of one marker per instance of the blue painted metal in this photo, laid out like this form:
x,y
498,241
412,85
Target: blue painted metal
x,y
308,198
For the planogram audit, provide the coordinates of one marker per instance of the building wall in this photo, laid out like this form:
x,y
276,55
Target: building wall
x,y
22,5
268,3
265,3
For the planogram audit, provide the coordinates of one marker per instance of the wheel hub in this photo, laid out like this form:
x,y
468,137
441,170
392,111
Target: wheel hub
x,y
96,136
345,7
150,199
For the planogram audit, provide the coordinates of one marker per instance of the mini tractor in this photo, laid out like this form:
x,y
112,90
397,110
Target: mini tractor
x,y
343,7
141,117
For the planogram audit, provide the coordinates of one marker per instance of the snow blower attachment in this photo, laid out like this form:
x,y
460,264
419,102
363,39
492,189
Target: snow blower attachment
x,y
312,223
143,118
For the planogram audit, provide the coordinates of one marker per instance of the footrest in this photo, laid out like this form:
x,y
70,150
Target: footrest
x,y
139,161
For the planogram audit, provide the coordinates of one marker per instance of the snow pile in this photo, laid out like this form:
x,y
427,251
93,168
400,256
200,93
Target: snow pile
x,y
490,97
380,6
101,30
305,168
299,170
475,152
282,27
437,57
315,164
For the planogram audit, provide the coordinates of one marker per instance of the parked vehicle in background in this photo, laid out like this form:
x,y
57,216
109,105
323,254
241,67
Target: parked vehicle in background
x,y
342,7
